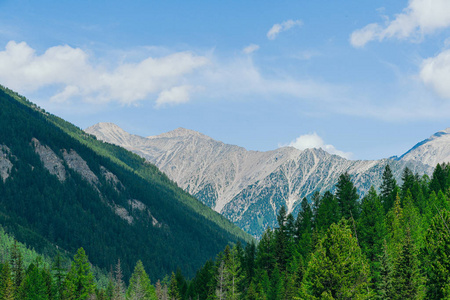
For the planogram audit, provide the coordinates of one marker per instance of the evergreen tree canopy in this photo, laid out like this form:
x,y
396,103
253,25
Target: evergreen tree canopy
x,y
338,268
347,197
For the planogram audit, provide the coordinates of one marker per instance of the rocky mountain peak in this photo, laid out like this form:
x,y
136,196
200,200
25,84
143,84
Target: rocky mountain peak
x,y
180,132
431,151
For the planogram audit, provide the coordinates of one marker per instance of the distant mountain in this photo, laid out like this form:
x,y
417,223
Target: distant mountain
x,y
248,187
60,187
434,150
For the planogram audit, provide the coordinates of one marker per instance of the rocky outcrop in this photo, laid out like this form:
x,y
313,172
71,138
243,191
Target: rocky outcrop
x,y
112,179
123,213
138,205
5,163
79,165
52,162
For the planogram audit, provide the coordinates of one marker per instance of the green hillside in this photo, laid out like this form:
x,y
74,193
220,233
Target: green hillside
x,y
109,201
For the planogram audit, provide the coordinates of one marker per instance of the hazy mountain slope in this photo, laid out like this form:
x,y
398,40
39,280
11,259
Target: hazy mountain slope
x,y
248,187
64,187
434,150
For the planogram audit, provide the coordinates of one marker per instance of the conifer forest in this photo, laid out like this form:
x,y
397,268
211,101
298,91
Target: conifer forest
x,y
391,244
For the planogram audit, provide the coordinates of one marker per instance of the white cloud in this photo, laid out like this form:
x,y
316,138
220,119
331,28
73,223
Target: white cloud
x,y
70,69
240,78
435,73
250,48
175,95
277,28
419,18
313,140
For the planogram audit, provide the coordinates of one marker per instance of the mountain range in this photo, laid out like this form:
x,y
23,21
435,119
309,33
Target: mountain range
x,y
249,187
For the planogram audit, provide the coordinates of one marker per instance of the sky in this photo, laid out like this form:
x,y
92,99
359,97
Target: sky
x,y
361,79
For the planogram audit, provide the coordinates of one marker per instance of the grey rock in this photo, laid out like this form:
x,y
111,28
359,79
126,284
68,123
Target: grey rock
x,y
51,161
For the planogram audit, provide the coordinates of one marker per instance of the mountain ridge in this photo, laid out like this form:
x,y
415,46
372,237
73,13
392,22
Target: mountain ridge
x,y
248,187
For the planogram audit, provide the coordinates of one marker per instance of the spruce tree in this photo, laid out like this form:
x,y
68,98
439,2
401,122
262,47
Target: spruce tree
x,y
6,283
33,286
174,293
304,228
140,287
371,225
276,286
59,273
233,275
383,286
439,179
327,212
406,277
438,255
337,268
347,197
408,181
387,188
17,267
79,283
119,284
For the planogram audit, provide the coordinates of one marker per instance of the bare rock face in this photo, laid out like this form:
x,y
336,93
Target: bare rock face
x,y
138,205
5,164
112,179
123,213
79,165
51,161
434,150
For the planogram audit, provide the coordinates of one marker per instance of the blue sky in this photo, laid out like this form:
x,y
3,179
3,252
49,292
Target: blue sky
x,y
363,79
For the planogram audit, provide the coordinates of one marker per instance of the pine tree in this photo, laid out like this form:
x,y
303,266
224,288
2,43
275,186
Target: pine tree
x,y
33,286
327,212
406,278
438,255
79,283
17,267
395,229
282,240
439,179
140,287
221,282
233,274
337,268
347,197
119,284
372,231
384,284
174,294
265,258
371,225
6,283
249,265
276,285
388,188
304,228
59,274
408,181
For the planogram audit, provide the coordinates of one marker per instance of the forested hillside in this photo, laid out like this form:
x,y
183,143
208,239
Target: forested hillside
x,y
61,188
